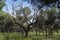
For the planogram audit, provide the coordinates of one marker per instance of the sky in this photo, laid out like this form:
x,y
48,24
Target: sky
x,y
25,3
8,7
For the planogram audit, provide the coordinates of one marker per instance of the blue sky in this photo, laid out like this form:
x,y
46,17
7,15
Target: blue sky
x,y
24,3
8,7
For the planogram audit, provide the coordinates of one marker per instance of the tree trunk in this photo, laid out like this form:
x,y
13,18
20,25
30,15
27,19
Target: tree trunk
x,y
36,32
46,32
26,33
57,31
50,30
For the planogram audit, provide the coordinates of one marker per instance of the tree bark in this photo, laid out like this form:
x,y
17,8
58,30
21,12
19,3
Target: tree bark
x,y
26,33
36,32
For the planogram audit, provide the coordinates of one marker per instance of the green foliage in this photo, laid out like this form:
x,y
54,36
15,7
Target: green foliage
x,y
27,10
51,13
1,5
6,22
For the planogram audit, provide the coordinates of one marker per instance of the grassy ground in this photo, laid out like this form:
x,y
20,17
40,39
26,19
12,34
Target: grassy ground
x,y
32,36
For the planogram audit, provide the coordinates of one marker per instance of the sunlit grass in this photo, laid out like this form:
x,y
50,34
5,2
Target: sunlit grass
x,y
32,36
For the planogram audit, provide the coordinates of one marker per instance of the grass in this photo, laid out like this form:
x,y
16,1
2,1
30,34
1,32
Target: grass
x,y
32,36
